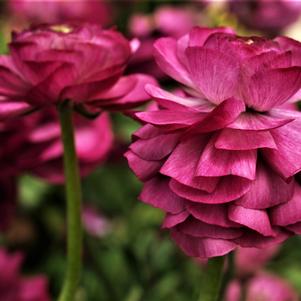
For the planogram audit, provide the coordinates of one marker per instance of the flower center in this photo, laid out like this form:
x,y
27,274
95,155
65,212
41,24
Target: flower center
x,y
62,28
249,41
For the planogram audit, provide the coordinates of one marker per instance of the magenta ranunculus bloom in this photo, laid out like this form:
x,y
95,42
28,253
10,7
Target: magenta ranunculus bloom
x,y
82,64
248,261
8,192
262,287
60,11
94,222
268,16
16,287
219,158
93,142
267,287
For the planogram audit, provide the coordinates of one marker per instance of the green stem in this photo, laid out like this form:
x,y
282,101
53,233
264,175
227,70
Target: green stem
x,y
212,279
228,275
73,196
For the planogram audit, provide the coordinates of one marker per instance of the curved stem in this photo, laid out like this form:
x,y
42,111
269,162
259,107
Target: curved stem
x,y
212,279
228,275
73,196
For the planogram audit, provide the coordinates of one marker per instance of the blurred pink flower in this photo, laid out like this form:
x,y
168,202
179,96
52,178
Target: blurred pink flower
x,y
250,260
60,11
262,287
93,140
14,286
38,149
212,158
82,64
233,291
94,222
268,16
267,287
161,23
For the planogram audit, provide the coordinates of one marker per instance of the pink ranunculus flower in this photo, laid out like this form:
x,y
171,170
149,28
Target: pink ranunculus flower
x,y
16,287
220,158
262,287
60,11
269,17
82,64
8,192
267,287
248,261
93,142
95,223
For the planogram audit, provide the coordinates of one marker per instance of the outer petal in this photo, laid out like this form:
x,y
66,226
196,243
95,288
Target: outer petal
x,y
181,164
143,169
215,162
157,193
267,190
230,139
166,57
211,214
162,97
202,247
288,141
172,220
51,88
155,148
257,220
146,132
258,122
222,193
119,98
199,35
223,115
215,74
253,239
11,84
9,109
288,213
169,117
271,88
196,228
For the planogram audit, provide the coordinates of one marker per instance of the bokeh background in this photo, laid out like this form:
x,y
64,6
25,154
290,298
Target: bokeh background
x,y
127,257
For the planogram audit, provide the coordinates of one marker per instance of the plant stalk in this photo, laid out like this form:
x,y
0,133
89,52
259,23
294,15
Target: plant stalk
x,y
212,279
73,198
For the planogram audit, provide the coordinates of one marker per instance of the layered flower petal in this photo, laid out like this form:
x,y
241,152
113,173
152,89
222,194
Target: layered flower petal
x,y
202,247
157,193
214,73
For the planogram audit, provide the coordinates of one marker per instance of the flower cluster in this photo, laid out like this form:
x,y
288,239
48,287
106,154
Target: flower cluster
x,y
219,156
14,286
